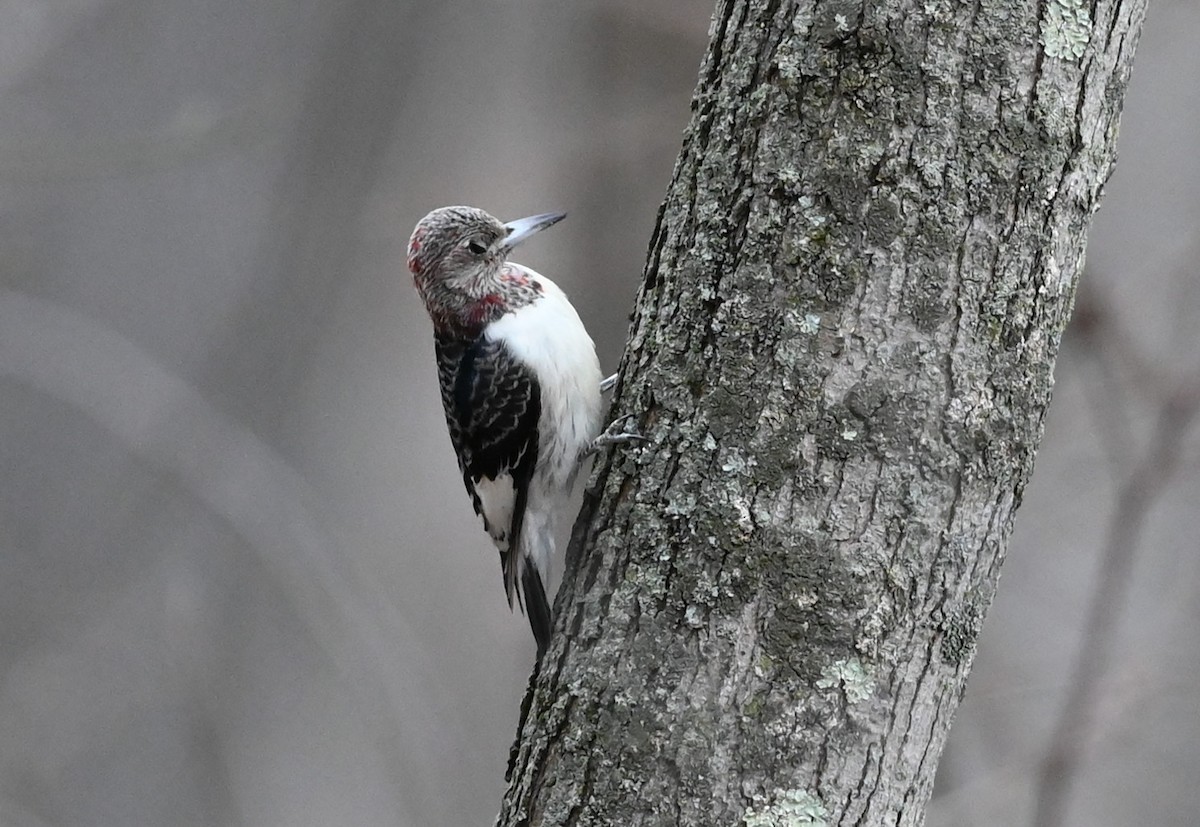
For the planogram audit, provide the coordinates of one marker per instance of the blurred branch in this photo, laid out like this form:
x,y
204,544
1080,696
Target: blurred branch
x,y
1105,397
336,148
169,425
1177,409
677,18
195,134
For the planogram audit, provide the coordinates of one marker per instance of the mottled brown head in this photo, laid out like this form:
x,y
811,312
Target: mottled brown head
x,y
455,255
455,246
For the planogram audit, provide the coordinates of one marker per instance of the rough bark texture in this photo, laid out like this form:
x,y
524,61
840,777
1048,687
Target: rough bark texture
x,y
842,353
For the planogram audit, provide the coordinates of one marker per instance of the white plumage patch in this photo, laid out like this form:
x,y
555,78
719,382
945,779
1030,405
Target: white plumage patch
x,y
496,499
548,337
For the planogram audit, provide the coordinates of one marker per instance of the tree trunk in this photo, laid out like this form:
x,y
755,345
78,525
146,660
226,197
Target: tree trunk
x,y
842,354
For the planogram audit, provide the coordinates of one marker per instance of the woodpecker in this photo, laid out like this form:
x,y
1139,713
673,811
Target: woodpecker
x,y
520,385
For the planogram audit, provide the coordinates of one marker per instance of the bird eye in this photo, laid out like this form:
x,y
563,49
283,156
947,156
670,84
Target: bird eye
x,y
476,248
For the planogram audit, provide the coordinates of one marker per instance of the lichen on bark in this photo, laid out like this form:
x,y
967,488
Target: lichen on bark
x,y
841,352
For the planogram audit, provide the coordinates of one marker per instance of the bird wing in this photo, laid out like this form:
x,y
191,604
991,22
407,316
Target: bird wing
x,y
492,403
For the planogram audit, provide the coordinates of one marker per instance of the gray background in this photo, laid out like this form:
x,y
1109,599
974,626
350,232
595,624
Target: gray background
x,y
240,583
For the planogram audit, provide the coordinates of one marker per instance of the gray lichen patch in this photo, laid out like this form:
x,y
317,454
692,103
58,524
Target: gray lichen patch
x,y
851,677
959,632
791,808
1067,28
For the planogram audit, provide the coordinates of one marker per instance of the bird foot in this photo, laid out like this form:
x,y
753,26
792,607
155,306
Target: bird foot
x,y
607,384
614,435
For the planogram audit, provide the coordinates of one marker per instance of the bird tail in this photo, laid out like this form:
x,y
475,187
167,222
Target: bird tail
x,y
537,607
526,563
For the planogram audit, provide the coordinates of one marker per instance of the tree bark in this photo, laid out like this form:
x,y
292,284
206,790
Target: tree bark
x,y
842,353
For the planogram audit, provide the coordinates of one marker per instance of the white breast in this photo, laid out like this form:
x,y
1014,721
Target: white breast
x,y
549,338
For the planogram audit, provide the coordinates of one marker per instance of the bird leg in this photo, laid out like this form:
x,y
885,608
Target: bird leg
x,y
607,384
613,435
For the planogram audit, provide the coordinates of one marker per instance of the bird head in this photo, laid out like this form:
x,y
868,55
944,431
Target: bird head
x,y
460,250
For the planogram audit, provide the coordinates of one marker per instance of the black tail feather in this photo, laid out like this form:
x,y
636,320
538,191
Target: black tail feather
x,y
508,572
537,607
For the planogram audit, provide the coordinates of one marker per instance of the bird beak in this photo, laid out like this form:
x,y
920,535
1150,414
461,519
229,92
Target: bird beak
x,y
523,228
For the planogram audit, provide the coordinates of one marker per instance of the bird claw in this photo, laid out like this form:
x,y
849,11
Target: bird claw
x,y
613,435
608,383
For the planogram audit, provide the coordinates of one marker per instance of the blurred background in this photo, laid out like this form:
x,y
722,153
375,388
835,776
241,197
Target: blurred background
x,y
240,582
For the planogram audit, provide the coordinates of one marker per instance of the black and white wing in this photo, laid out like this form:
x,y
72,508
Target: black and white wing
x,y
493,403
